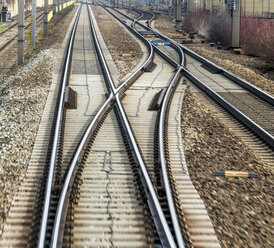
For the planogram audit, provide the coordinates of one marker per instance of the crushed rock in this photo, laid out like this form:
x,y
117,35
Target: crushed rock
x,y
118,41
22,98
22,104
241,209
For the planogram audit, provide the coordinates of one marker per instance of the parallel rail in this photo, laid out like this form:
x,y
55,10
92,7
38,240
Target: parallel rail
x,y
163,112
5,44
257,129
56,136
113,100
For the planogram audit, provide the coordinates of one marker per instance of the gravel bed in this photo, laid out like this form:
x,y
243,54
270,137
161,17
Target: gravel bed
x,y
22,98
243,66
8,57
118,41
132,14
22,104
241,209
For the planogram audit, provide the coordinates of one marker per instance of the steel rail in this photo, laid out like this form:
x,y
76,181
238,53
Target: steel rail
x,y
139,70
267,137
60,219
257,129
174,44
165,235
160,221
247,121
154,204
42,233
183,62
13,25
253,89
171,205
5,44
163,112
134,22
175,222
64,197
171,61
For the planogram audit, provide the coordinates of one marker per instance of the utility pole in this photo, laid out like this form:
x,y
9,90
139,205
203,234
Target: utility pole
x,y
33,21
46,18
21,31
178,14
269,15
129,7
54,8
174,3
169,10
236,18
58,7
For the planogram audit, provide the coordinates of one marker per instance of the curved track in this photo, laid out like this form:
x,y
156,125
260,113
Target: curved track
x,y
65,192
111,178
247,103
146,123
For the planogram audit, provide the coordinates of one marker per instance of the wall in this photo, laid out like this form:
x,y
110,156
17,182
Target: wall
x,y
248,7
13,5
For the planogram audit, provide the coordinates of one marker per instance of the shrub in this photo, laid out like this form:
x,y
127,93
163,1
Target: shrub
x,y
196,21
257,37
220,28
216,27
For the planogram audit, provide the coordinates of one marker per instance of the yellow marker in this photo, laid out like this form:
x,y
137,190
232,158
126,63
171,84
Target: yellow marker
x,y
249,174
212,44
150,35
127,55
237,50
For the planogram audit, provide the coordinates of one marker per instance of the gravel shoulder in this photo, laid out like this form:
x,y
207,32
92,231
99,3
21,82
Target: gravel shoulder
x,y
243,66
22,98
132,13
241,209
118,41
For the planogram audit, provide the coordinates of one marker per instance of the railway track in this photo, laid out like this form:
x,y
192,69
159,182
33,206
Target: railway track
x,y
110,177
194,221
258,107
14,24
139,24
236,95
253,100
10,34
59,182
